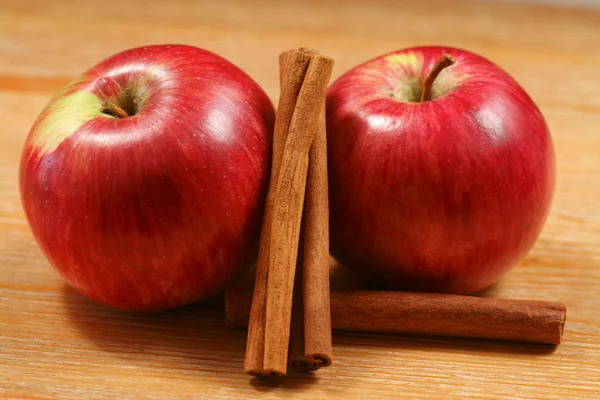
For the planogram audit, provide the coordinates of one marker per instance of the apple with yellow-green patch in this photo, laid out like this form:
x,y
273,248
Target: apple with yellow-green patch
x,y
144,179
441,170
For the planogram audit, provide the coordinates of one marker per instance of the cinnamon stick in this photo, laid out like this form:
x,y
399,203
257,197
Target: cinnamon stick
x,y
431,314
269,328
295,66
315,266
310,335
297,354
287,213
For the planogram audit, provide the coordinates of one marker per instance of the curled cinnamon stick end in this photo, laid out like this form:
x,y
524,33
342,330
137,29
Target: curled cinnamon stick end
x,y
311,363
432,314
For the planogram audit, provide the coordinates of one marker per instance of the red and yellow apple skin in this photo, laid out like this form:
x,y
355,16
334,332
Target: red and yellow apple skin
x,y
443,195
161,208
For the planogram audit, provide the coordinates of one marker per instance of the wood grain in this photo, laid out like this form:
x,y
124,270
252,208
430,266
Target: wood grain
x,y
57,345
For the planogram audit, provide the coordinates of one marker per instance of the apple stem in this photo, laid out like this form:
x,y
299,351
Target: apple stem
x,y
443,62
111,108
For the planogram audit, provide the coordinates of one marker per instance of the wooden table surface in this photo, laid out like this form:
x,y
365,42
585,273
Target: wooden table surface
x,y
56,344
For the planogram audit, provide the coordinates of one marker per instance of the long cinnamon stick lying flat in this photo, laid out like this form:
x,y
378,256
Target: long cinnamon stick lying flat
x,y
430,314
269,329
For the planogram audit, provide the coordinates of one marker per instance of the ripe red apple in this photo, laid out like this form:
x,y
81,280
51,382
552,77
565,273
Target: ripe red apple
x,y
444,193
144,180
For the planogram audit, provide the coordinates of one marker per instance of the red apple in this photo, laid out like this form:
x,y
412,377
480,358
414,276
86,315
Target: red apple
x,y
144,179
441,194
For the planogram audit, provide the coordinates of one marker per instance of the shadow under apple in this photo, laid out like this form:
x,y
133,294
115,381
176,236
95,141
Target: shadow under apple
x,y
194,338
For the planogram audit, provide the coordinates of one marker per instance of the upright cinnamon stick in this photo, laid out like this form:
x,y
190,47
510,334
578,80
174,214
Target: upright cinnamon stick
x,y
297,354
287,213
269,329
310,335
432,314
315,266
294,69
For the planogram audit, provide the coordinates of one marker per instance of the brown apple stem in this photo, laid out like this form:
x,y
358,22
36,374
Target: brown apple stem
x,y
111,108
443,62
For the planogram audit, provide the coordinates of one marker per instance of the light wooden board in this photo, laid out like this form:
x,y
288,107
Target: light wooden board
x,y
56,344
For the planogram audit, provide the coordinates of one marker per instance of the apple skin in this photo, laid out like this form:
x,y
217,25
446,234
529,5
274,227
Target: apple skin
x,y
162,208
445,195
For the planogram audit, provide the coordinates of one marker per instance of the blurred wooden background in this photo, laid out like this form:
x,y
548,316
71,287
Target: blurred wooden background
x,y
56,344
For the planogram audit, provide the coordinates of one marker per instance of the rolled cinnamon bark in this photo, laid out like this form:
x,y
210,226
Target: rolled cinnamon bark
x,y
297,118
430,314
294,69
315,265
